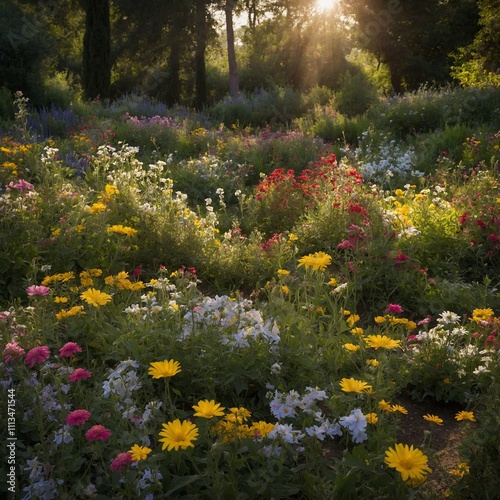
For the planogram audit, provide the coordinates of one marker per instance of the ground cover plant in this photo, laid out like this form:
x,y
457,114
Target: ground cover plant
x,y
197,310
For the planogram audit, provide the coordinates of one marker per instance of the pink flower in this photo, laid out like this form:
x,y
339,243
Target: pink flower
x,y
424,321
344,245
121,460
22,185
37,355
37,290
98,432
69,349
394,308
79,374
77,417
12,351
4,315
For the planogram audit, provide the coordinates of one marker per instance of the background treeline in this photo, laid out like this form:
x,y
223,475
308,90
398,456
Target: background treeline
x,y
195,52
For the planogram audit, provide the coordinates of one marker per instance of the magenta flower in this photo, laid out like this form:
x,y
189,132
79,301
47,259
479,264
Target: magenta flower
x,y
121,460
77,417
37,290
98,432
12,351
394,308
79,374
37,355
68,349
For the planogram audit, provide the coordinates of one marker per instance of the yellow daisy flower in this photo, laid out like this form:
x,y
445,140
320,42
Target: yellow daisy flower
x,y
434,419
177,434
410,462
382,341
465,415
208,409
95,297
139,452
353,385
164,369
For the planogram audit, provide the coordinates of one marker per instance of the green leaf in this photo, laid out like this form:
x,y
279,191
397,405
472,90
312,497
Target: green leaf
x,y
180,482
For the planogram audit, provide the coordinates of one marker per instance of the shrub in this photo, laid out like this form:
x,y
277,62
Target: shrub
x,y
356,95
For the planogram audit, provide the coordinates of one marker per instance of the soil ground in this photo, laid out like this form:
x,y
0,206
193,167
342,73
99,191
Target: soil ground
x,y
444,440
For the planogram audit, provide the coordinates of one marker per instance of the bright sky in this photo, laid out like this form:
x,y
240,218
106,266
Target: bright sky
x,y
325,4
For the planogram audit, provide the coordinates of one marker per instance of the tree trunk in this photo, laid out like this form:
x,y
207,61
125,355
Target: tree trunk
x,y
173,91
199,56
96,60
231,53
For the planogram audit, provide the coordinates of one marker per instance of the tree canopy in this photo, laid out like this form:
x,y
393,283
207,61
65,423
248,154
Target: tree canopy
x,y
194,52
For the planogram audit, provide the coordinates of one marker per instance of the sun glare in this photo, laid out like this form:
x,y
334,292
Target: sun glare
x,y
324,5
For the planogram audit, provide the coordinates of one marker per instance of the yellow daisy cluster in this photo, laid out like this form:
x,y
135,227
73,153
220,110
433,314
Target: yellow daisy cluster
x,y
389,318
66,313
234,426
318,261
97,208
58,278
86,276
122,282
120,229
461,470
390,408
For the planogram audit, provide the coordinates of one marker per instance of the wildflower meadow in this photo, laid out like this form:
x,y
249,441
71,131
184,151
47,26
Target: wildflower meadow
x,y
193,309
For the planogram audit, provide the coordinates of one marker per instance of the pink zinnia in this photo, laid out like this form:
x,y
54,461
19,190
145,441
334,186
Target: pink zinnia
x,y
79,374
69,349
37,355
121,460
98,432
37,290
12,351
77,417
394,308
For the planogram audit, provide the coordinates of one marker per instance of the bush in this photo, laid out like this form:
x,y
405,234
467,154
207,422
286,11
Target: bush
x,y
265,107
357,94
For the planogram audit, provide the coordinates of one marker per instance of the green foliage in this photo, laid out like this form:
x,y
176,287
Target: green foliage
x,y
263,107
333,127
313,280
7,109
480,452
356,95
